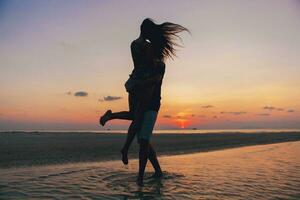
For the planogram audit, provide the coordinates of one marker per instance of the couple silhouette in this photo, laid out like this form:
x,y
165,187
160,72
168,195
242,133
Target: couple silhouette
x,y
155,44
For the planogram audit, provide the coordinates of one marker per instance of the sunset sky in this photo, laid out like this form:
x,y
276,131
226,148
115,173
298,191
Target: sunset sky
x,y
63,63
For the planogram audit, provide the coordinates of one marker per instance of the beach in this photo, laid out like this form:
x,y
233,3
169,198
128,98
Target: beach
x,y
19,149
259,172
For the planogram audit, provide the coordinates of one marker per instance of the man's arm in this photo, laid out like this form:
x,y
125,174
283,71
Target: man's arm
x,y
155,78
149,81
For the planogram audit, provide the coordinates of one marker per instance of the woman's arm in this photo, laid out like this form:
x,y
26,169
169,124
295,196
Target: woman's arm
x,y
136,53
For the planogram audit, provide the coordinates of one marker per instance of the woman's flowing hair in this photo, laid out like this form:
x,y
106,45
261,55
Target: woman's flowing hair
x,y
163,37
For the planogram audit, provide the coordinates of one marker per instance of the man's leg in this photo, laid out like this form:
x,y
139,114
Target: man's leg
x,y
153,159
143,157
149,119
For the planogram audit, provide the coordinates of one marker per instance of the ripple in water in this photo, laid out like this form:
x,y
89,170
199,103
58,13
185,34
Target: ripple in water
x,y
258,172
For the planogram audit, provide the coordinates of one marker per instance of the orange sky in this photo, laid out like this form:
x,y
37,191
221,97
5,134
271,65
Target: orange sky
x,y
239,68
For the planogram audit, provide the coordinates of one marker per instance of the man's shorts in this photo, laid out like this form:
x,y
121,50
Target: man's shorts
x,y
147,125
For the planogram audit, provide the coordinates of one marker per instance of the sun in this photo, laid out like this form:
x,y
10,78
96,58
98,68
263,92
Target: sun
x,y
181,123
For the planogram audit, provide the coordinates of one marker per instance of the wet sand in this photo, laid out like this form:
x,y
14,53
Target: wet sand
x,y
19,149
259,172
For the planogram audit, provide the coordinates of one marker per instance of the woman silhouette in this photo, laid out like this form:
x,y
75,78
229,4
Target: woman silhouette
x,y
149,51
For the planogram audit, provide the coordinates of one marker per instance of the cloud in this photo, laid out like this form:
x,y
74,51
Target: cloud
x,y
80,94
111,98
201,116
181,117
271,108
263,114
290,111
234,113
207,106
69,93
178,117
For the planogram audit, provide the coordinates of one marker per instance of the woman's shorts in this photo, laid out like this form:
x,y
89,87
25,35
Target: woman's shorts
x,y
147,125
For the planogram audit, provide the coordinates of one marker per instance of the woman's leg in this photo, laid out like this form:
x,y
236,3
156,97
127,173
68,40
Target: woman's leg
x,y
109,115
143,157
131,130
134,127
125,115
153,159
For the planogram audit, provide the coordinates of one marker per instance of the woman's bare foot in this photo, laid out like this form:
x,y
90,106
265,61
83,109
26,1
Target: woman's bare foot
x,y
105,117
124,157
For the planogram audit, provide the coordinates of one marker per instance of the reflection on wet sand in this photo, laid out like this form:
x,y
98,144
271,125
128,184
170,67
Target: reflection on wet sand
x,y
257,172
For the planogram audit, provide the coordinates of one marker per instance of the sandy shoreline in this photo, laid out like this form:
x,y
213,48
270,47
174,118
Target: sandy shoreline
x,y
27,149
259,172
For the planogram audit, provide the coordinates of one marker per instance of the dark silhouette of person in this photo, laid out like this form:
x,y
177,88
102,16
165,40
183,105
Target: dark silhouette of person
x,y
149,51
